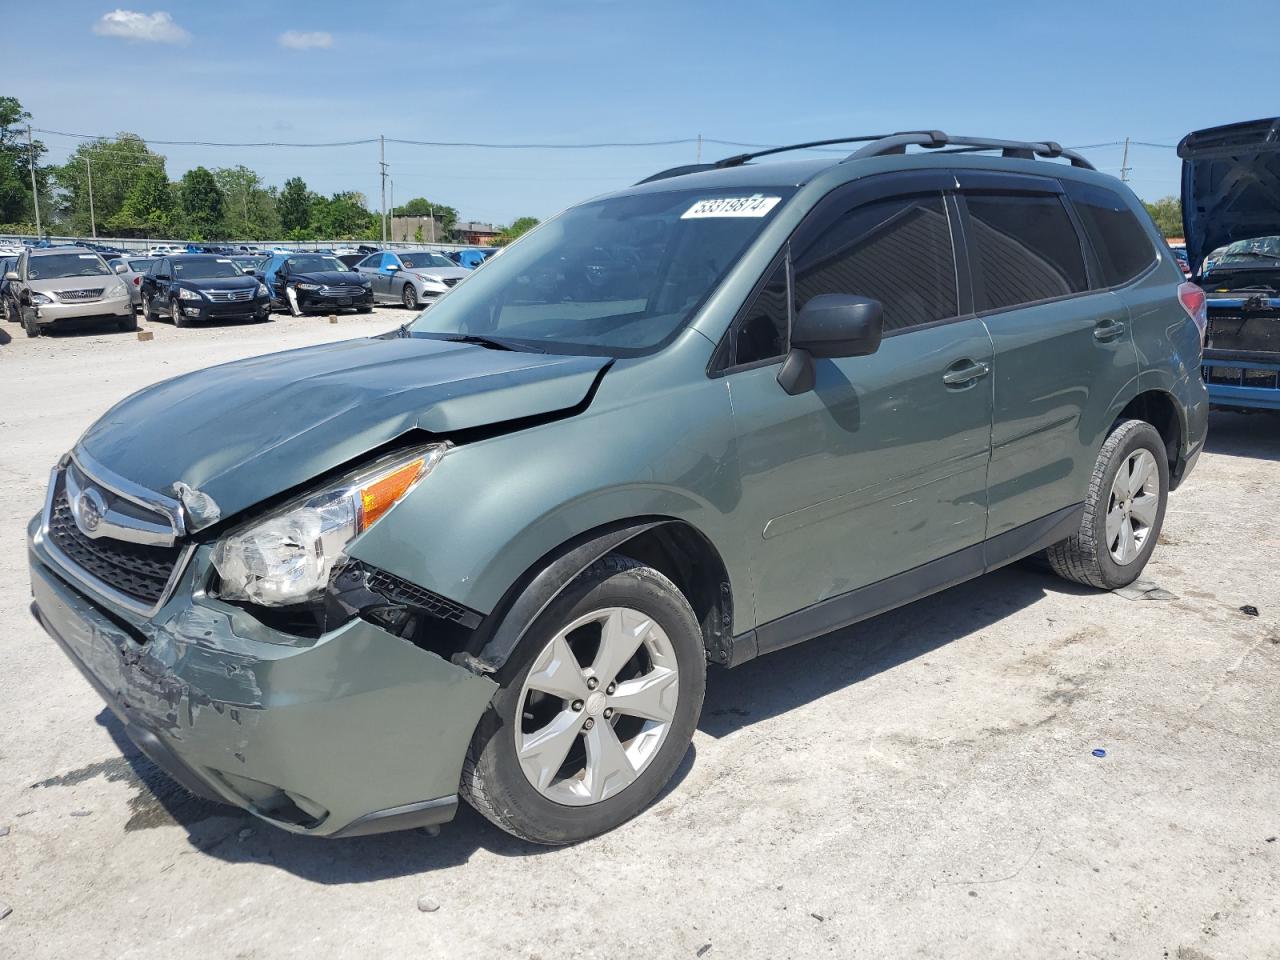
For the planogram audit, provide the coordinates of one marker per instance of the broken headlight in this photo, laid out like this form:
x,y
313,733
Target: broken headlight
x,y
286,557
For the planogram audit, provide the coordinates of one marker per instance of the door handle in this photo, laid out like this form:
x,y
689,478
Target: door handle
x,y
1108,329
964,372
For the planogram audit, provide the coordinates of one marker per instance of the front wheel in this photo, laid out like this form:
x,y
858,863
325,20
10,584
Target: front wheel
x,y
409,296
598,711
1123,512
128,323
30,325
177,316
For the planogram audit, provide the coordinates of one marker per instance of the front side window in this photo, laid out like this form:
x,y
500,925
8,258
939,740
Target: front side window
x,y
618,277
1122,246
370,262
897,251
1026,248
761,332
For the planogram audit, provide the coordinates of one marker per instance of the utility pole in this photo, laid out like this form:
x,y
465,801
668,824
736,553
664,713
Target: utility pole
x,y
93,220
698,158
431,213
35,191
392,221
1124,162
382,163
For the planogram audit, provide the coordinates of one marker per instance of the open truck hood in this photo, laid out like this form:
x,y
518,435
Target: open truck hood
x,y
1230,185
247,430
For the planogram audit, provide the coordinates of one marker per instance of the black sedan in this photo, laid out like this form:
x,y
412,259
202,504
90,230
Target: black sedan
x,y
190,287
315,283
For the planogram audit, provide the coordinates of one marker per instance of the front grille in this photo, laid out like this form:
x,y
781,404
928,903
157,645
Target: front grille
x,y
75,296
450,281
1244,331
138,571
228,296
341,290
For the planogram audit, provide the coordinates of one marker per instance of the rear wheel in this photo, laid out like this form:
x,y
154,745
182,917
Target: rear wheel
x,y
409,296
597,712
1123,513
10,312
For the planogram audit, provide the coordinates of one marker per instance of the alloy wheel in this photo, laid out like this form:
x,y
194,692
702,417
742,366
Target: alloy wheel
x,y
597,706
1132,506
410,297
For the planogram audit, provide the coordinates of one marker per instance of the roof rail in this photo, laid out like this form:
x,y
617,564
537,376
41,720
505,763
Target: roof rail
x,y
879,145
934,139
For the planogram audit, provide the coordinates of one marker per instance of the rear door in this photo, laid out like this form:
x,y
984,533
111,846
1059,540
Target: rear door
x,y
1064,350
882,466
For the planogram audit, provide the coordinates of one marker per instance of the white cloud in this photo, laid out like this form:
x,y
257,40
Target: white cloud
x,y
155,27
304,40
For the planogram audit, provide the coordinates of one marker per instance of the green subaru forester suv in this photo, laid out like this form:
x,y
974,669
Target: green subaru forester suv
x,y
733,407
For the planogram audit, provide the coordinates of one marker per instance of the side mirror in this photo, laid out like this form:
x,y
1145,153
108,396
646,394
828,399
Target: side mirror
x,y
249,272
830,325
12,275
391,268
121,267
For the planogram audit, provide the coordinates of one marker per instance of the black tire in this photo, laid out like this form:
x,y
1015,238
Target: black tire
x,y
364,309
11,315
128,323
1085,557
30,325
176,315
409,297
492,780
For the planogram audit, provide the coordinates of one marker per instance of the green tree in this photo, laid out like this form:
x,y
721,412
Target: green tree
x,y
446,217
114,165
250,208
417,234
294,206
1167,213
16,206
148,209
201,204
344,216
520,226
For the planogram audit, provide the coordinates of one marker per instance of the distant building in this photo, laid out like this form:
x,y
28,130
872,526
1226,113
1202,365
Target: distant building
x,y
405,230
477,234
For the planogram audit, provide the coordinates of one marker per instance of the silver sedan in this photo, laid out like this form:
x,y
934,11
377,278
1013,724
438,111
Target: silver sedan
x,y
412,279
131,270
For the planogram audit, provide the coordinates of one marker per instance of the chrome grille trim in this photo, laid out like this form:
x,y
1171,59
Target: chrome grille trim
x,y
80,296
128,490
343,290
229,296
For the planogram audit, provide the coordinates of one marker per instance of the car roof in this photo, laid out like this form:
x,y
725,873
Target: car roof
x,y
62,251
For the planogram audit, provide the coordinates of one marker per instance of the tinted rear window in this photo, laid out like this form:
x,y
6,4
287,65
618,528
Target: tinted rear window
x,y
1122,246
1027,248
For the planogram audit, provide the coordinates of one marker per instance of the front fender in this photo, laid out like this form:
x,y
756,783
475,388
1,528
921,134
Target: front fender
x,y
656,441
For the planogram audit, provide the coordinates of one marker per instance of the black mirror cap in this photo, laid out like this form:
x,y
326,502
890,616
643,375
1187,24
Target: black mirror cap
x,y
839,325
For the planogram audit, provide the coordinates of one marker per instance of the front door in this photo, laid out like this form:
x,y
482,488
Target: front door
x,y
882,467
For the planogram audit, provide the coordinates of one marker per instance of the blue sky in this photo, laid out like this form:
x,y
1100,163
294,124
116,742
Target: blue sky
x,y
594,70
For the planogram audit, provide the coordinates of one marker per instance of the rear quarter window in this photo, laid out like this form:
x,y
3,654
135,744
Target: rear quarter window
x,y
1120,242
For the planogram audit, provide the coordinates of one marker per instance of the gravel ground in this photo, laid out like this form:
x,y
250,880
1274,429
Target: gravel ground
x,y
922,785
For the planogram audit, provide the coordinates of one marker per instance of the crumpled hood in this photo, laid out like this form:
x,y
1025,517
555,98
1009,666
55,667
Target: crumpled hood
x,y
1230,185
244,431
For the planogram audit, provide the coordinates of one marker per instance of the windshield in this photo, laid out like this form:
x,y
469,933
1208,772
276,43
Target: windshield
x,y
1252,249
61,265
317,264
420,261
211,269
618,277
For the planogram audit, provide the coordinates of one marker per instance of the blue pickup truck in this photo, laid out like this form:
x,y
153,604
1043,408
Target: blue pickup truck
x,y
1231,200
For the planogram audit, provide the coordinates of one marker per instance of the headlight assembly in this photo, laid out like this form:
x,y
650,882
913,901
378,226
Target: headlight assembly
x,y
185,294
39,299
285,558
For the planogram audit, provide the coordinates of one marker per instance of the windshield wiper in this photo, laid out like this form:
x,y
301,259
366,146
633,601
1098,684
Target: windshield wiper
x,y
492,343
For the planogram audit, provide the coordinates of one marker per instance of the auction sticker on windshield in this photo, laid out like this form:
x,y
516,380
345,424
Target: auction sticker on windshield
x,y
756,205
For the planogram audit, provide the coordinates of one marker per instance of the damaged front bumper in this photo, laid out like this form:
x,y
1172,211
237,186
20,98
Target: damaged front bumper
x,y
356,731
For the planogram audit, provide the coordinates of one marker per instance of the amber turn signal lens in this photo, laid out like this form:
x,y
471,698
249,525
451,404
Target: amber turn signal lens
x,y
378,497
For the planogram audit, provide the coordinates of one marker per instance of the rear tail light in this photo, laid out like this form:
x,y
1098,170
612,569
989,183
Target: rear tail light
x,y
137,281
1195,302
